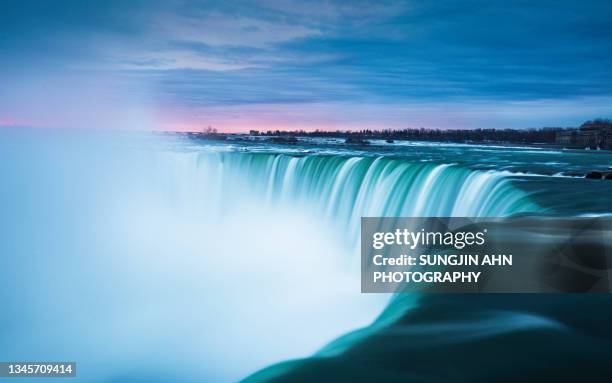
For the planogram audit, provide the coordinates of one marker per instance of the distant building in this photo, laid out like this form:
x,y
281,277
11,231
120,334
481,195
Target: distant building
x,y
602,130
596,134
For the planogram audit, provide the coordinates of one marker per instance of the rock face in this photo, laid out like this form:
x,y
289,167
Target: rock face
x,y
207,136
599,175
291,140
356,141
593,175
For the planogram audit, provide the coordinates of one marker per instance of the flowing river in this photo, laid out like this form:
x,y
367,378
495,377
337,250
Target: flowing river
x,y
161,258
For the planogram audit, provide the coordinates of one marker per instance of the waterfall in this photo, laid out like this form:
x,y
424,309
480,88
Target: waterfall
x,y
227,254
349,187
344,188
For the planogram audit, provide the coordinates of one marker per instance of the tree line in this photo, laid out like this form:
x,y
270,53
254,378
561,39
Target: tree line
x,y
536,135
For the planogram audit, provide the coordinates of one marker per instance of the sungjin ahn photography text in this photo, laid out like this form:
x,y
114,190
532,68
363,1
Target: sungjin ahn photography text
x,y
305,191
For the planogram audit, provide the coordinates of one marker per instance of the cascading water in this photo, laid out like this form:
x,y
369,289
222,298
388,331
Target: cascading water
x,y
342,189
223,254
347,187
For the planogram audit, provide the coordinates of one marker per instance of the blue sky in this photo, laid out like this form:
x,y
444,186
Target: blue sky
x,y
296,64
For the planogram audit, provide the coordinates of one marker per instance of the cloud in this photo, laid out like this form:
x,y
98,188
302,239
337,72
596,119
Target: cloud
x,y
207,54
346,115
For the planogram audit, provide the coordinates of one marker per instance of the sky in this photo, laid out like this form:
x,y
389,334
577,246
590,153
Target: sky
x,y
285,64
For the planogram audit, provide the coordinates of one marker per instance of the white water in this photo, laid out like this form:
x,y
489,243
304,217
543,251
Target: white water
x,y
137,260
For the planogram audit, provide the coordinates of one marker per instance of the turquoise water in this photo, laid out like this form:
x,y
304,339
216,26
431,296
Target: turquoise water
x,y
340,189
166,259
552,177
514,158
